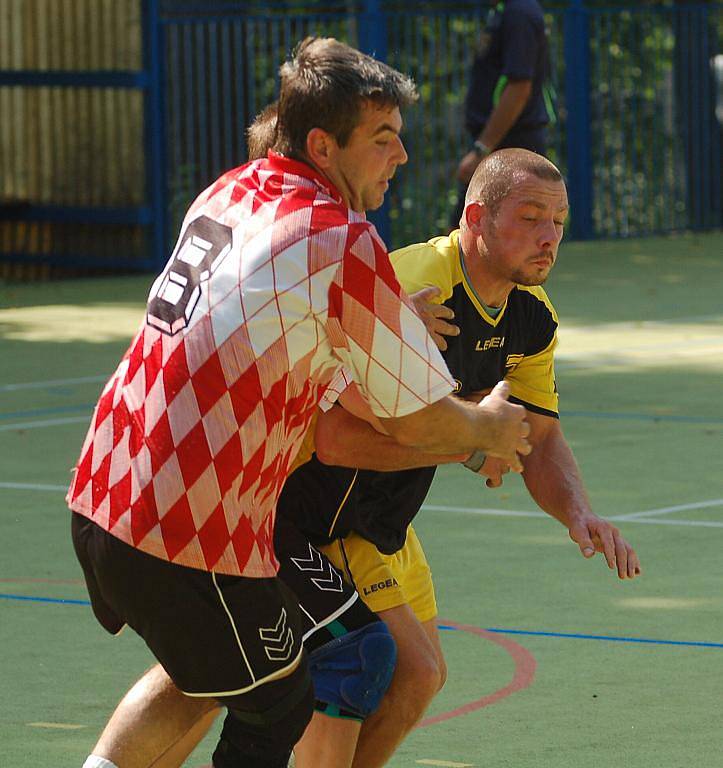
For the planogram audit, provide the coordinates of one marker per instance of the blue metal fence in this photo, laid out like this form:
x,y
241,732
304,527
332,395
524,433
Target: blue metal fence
x,y
78,130
636,135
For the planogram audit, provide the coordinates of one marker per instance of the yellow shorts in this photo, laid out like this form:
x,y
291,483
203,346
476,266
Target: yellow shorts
x,y
386,581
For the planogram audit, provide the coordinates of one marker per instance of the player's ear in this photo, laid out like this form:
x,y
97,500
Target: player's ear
x,y
474,214
320,146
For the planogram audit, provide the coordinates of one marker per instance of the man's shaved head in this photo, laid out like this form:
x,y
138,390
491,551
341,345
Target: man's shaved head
x,y
497,173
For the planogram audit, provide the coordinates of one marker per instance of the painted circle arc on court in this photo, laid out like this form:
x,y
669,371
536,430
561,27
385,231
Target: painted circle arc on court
x,y
522,678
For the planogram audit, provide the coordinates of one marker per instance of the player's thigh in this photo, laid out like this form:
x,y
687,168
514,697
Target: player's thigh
x,y
417,659
368,571
411,569
386,581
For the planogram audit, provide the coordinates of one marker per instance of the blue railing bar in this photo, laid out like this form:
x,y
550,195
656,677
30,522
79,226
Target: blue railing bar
x,y
74,79
577,93
154,129
139,215
206,18
643,9
212,14
193,6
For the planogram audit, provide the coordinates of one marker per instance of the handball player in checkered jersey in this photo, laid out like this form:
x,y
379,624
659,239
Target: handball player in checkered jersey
x,y
277,281
163,725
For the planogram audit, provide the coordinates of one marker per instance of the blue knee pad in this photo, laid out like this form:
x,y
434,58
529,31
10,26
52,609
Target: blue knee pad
x,y
353,671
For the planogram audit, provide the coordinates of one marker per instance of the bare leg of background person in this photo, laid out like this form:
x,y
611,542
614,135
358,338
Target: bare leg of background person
x,y
155,725
419,674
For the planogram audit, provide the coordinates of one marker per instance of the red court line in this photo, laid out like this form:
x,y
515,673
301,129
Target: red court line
x,y
525,666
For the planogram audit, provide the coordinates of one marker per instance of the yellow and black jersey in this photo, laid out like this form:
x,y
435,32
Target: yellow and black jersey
x,y
517,345
320,500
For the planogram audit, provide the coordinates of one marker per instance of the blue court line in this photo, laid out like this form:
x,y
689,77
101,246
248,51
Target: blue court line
x,y
47,411
609,638
641,417
496,630
65,601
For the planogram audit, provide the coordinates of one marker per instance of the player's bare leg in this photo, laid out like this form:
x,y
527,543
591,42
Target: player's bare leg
x,y
328,742
155,725
430,627
417,678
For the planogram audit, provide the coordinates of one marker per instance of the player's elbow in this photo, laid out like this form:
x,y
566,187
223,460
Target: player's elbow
x,y
329,449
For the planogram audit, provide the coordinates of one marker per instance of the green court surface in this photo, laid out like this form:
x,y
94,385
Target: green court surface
x,y
580,669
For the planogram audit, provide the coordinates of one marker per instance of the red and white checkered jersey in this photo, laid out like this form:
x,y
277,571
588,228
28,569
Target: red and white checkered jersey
x,y
273,286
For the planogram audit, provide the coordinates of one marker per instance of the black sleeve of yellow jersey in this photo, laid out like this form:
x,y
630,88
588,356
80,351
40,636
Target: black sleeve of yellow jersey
x,y
532,378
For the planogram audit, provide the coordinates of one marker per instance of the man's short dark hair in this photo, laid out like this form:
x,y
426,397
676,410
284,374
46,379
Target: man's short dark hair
x,y
496,175
325,85
261,134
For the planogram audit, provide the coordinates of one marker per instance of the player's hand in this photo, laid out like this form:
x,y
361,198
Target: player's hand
x,y
435,316
506,428
494,469
594,534
467,166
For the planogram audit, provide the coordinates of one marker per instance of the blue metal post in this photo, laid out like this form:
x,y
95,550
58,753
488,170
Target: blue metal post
x,y
373,30
154,132
579,135
373,40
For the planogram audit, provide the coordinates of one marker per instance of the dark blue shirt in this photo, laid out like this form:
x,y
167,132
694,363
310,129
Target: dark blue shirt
x,y
513,46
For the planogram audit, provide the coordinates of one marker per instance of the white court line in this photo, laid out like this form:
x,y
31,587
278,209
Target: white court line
x,y
60,726
480,511
45,423
667,521
32,487
630,519
51,383
668,510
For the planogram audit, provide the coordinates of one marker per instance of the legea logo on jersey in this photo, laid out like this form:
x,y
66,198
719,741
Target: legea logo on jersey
x,y
495,342
457,385
379,585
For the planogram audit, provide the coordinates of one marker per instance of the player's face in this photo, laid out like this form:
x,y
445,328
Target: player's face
x,y
522,238
363,168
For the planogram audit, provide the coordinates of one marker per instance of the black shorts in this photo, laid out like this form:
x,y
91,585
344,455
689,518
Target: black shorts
x,y
224,637
329,605
219,636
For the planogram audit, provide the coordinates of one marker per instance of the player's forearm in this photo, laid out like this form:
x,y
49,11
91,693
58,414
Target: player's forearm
x,y
344,440
512,101
554,481
449,426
